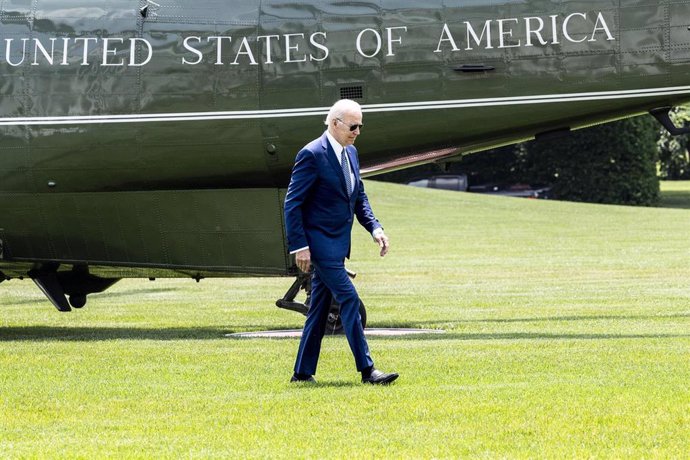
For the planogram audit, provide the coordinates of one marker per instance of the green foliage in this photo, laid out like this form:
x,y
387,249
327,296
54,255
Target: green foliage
x,y
613,163
674,161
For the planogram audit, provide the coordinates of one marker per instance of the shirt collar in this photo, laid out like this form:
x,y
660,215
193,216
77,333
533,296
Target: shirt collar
x,y
337,148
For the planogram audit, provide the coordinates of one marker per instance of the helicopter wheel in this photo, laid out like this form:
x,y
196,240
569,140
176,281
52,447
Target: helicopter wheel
x,y
334,325
77,300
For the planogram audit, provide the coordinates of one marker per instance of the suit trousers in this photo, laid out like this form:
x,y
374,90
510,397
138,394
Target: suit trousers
x,y
330,280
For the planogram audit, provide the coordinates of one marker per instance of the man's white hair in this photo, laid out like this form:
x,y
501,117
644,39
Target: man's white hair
x,y
340,108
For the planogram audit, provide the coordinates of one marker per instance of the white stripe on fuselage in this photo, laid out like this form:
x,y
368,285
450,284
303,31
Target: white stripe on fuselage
x,y
369,108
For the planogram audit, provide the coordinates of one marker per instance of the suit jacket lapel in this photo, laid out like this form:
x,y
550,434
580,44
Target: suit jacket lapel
x,y
333,160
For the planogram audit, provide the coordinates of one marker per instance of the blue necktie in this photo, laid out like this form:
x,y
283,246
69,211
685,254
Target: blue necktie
x,y
346,172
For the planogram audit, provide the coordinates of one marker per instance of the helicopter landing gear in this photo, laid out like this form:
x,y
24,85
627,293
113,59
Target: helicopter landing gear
x,y
303,282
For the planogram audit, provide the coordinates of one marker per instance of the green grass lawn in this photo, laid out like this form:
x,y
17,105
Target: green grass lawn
x,y
567,335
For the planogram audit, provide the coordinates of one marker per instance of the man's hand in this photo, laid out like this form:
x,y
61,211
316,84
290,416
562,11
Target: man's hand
x,y
382,240
303,260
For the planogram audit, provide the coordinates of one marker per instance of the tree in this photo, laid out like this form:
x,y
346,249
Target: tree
x,y
674,161
613,163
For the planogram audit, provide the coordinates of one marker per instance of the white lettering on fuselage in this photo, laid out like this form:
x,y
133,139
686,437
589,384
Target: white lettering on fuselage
x,y
502,33
91,50
304,47
377,40
292,48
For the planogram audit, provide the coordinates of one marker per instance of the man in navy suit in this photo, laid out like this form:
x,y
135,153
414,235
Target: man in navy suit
x,y
324,195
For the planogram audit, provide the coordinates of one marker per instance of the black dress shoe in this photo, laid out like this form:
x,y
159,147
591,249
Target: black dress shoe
x,y
379,378
308,378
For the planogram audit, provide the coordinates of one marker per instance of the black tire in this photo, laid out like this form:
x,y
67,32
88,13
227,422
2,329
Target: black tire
x,y
77,300
334,325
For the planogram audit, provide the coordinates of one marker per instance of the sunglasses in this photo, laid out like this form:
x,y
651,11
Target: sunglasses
x,y
352,128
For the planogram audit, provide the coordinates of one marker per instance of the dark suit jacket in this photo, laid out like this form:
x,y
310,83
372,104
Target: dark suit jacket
x,y
318,212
